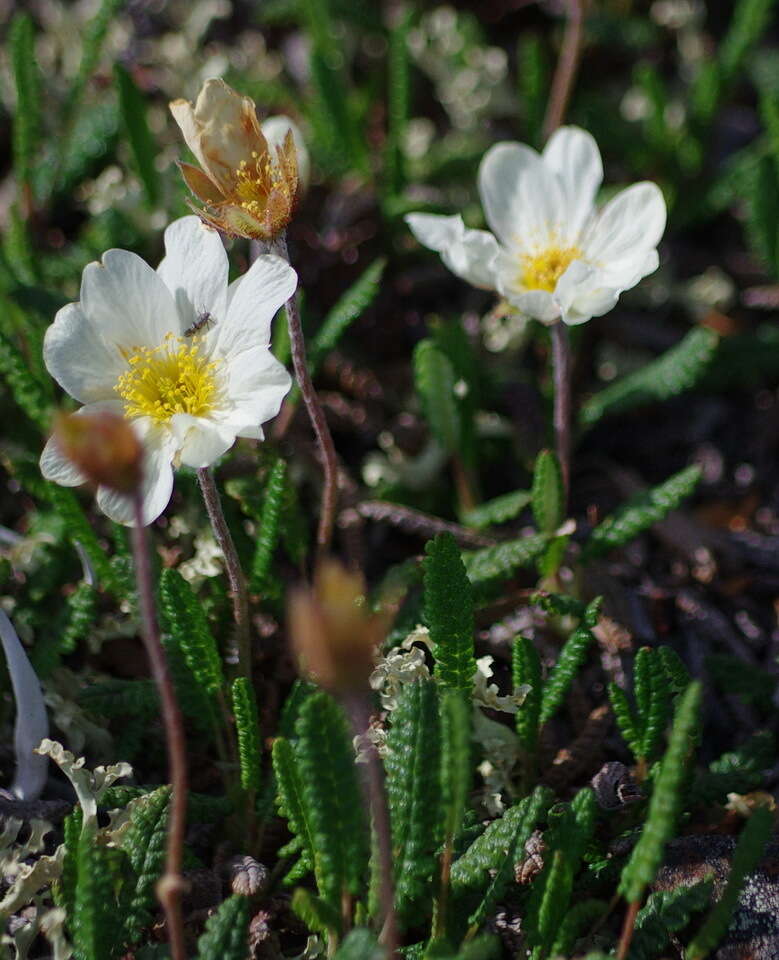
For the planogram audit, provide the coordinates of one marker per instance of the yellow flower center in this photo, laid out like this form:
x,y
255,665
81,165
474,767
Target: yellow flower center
x,y
171,378
255,180
541,271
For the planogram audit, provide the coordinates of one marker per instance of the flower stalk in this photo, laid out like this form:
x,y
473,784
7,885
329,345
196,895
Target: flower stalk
x,y
561,371
241,652
316,415
171,884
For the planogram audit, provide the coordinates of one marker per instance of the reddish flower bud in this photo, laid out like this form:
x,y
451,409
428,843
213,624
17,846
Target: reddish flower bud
x,y
104,447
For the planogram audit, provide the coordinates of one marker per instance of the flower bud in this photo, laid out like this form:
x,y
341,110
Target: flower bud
x,y
104,447
335,635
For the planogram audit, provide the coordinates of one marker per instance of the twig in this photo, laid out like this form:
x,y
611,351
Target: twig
x,y
358,710
171,884
561,366
316,415
242,653
627,931
415,521
567,65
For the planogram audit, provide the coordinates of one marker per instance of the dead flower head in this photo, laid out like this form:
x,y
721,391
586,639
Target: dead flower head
x,y
248,187
333,630
104,449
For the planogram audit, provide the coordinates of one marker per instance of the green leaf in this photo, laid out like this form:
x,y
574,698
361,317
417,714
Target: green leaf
x,y
360,944
94,911
661,817
185,618
268,533
626,722
415,802
226,936
572,656
499,510
526,669
665,912
455,712
247,727
548,494
640,513
435,380
145,843
763,214
448,606
292,805
398,95
533,77
501,561
317,914
577,919
26,390
332,799
26,120
132,108
677,370
749,849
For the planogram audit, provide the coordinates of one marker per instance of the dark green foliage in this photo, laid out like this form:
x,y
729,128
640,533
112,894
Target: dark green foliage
x,y
500,562
79,529
737,772
763,213
413,754
64,889
196,703
665,912
578,918
94,911
456,761
292,805
750,682
448,609
677,370
675,670
268,533
144,844
498,510
133,112
247,726
664,805
317,914
121,698
533,75
526,669
186,621
640,513
226,936
26,122
360,944
749,849
82,610
323,802
25,388
496,852
548,495
435,379
571,658
398,95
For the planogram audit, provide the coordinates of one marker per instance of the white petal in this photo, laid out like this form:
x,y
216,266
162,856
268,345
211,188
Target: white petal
x,y
200,442
159,447
522,197
631,224
269,282
538,304
573,155
56,467
128,301
583,292
258,384
194,269
471,254
275,130
78,357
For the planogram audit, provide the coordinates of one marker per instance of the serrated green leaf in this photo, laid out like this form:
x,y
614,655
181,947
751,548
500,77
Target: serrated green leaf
x,y
499,510
548,494
448,606
226,936
133,112
435,379
641,513
677,370
501,561
247,728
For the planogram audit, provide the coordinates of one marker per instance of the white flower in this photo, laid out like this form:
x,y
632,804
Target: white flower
x,y
552,253
185,358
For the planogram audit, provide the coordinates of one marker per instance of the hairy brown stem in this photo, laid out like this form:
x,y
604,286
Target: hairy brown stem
x,y
358,709
241,653
567,65
316,415
561,365
171,884
627,931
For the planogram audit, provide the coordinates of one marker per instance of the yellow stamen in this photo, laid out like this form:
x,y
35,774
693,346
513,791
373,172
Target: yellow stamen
x,y
171,378
541,271
255,181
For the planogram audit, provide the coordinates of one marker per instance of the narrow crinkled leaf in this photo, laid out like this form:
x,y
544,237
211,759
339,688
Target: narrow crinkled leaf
x,y
448,606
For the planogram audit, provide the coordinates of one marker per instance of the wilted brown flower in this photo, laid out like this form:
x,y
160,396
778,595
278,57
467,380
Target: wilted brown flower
x,y
333,631
104,447
248,187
